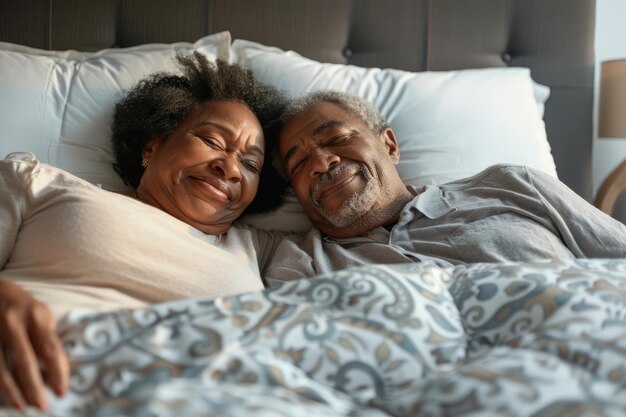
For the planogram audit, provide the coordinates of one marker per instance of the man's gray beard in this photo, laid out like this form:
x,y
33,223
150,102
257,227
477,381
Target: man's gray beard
x,y
355,206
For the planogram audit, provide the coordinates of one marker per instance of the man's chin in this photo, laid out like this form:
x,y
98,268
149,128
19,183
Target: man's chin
x,y
328,208
342,217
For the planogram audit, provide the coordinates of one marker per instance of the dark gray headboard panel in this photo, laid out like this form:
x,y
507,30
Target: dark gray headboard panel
x,y
552,37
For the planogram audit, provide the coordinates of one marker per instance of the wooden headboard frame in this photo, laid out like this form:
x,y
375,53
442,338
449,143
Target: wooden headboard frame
x,y
554,38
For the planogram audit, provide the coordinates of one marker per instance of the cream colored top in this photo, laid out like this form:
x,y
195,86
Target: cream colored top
x,y
73,245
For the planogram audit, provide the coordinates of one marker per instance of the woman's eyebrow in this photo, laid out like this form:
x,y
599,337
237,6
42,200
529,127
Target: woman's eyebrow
x,y
216,125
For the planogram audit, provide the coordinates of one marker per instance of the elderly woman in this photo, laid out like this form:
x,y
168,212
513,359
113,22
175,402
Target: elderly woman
x,y
193,148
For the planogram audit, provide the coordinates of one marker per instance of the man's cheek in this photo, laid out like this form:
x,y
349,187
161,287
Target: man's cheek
x,y
303,194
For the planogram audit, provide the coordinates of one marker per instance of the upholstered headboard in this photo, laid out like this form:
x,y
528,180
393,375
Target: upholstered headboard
x,y
554,38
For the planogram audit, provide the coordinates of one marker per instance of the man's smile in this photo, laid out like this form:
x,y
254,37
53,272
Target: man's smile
x,y
336,186
340,181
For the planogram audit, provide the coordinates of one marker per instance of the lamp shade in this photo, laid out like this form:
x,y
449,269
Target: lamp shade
x,y
613,99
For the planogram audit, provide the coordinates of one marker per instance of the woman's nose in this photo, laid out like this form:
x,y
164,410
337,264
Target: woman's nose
x,y
228,168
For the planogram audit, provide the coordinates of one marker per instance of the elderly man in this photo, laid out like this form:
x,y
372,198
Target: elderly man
x,y
339,155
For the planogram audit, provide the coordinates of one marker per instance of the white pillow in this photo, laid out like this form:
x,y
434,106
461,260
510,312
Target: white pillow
x,y
59,104
450,125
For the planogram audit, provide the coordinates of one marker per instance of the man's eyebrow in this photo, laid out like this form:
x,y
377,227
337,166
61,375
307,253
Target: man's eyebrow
x,y
328,125
318,131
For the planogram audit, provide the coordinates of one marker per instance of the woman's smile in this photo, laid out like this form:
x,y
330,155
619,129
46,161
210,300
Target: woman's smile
x,y
213,187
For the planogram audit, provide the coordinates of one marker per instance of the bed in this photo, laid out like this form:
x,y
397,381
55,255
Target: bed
x,y
491,81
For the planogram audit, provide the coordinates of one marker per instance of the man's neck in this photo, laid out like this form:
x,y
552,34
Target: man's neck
x,y
385,216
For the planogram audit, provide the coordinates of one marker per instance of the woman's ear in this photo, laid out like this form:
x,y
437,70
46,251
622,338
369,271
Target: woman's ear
x,y
390,141
150,147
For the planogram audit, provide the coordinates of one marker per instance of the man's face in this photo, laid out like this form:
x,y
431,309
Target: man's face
x,y
340,170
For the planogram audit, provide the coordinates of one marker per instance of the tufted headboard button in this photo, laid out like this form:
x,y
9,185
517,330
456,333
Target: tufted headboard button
x,y
347,53
506,57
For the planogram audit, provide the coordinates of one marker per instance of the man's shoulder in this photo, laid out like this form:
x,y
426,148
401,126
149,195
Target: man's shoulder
x,y
501,174
507,174
504,170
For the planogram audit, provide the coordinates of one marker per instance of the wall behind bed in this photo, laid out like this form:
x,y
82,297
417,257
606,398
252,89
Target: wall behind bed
x,y
554,38
610,44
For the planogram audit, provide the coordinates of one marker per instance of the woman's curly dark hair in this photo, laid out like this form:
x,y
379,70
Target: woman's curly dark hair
x,y
157,105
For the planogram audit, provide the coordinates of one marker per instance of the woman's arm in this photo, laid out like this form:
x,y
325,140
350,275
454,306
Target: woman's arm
x,y
28,339
27,327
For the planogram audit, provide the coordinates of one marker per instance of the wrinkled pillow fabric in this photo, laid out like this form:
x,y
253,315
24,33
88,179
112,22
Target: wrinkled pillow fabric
x,y
59,104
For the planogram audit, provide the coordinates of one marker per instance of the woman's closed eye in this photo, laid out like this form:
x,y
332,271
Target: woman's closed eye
x,y
211,142
248,163
251,165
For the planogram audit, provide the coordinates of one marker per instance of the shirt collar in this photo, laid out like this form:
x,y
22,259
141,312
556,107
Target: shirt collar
x,y
429,201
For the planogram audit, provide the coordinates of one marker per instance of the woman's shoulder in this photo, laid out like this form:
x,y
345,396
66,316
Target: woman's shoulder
x,y
24,168
25,163
18,166
19,159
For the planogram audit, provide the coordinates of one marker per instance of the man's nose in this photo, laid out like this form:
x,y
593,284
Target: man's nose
x,y
227,167
322,161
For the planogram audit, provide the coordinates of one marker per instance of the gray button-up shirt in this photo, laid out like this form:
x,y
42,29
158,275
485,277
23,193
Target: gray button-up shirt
x,y
504,213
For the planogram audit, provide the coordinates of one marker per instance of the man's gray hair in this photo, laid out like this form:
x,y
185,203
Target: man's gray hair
x,y
355,106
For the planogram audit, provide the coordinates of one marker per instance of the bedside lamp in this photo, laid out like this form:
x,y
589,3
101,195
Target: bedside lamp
x,y
612,125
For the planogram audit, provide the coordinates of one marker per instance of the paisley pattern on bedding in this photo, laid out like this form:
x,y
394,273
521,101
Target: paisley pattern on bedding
x,y
510,339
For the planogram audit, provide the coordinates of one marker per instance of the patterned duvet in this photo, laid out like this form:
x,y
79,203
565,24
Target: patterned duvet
x,y
513,339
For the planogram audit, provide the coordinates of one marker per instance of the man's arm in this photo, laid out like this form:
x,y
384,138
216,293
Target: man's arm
x,y
587,231
265,244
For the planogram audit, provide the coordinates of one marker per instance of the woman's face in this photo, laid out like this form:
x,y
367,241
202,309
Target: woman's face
x,y
207,172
